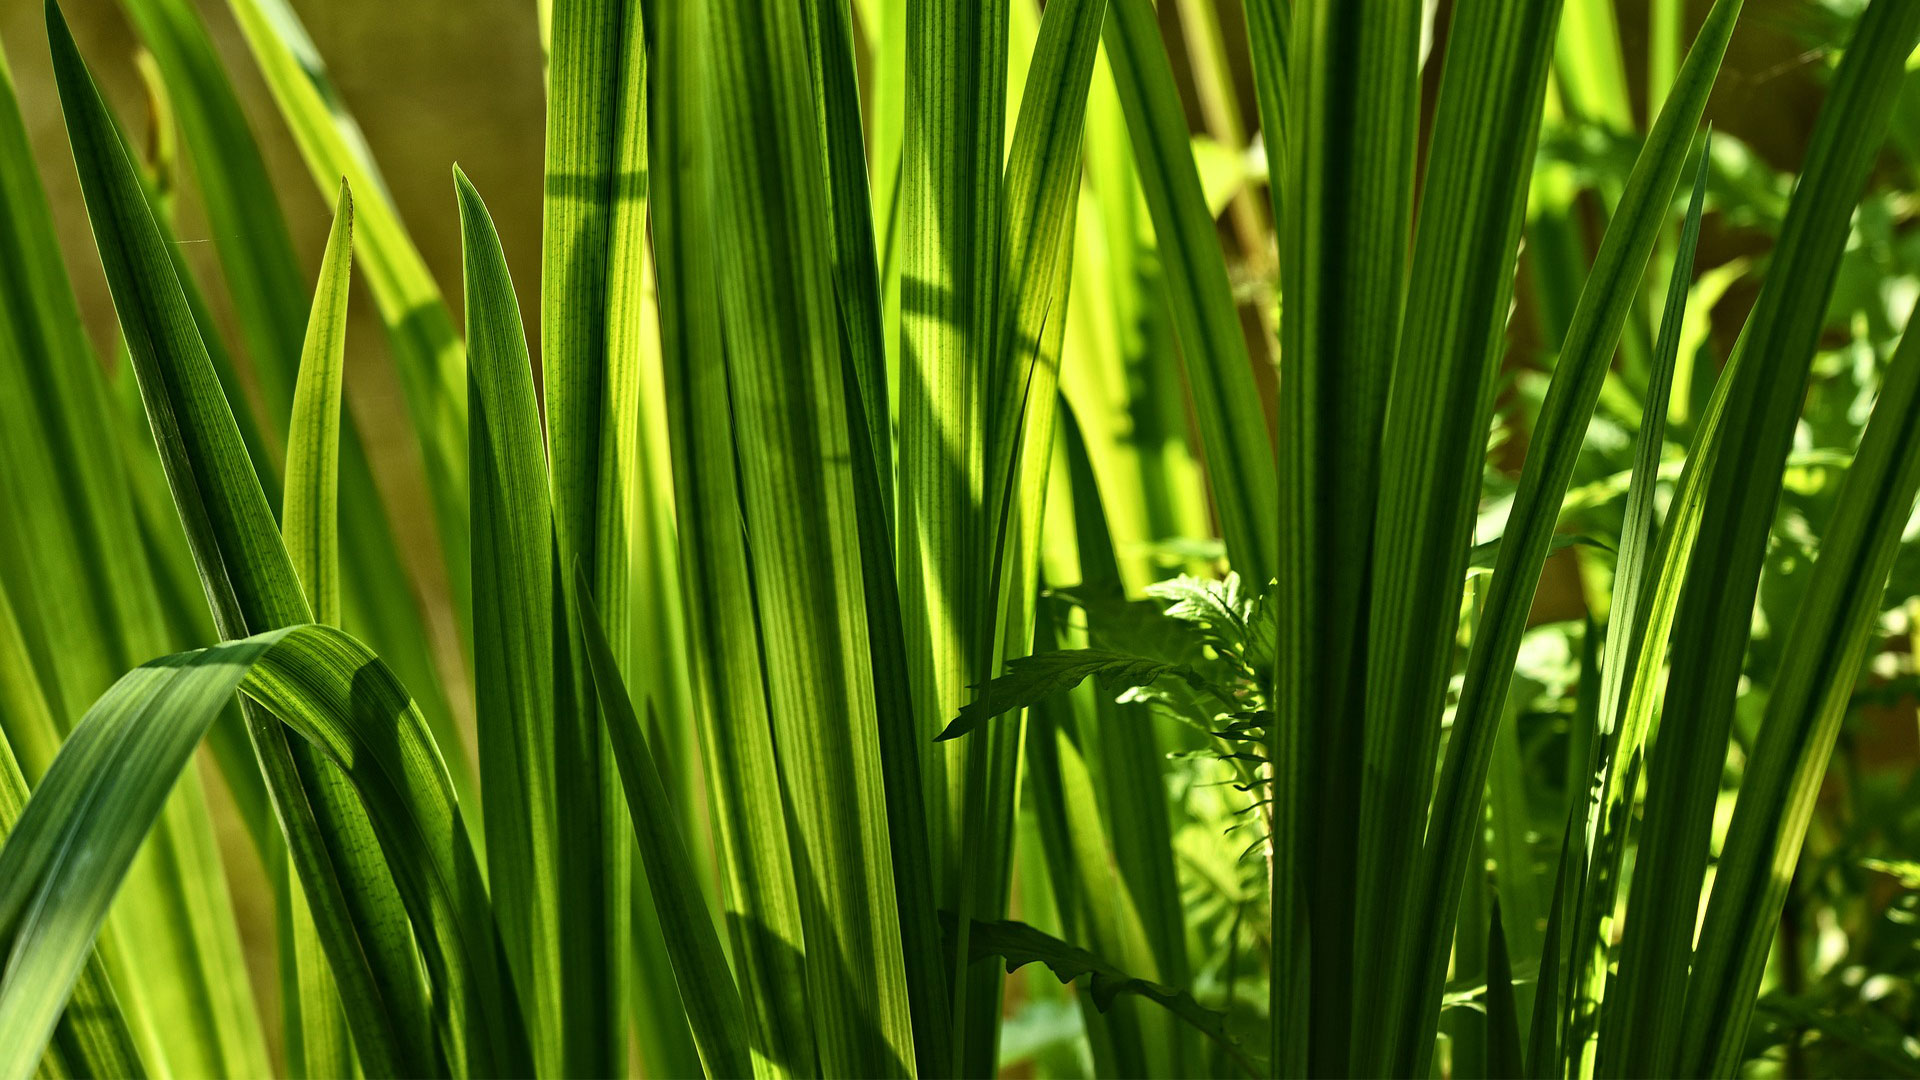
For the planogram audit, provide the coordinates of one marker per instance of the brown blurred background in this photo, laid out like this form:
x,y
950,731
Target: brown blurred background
x,y
431,83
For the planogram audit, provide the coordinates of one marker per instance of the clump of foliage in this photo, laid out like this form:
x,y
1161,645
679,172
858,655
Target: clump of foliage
x,y
910,627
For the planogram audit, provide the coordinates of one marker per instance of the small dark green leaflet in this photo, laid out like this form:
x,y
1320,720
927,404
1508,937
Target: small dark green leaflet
x,y
1032,679
1019,945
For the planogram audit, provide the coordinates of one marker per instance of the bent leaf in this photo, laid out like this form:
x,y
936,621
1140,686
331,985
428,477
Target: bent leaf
x,y
77,836
1019,945
1032,679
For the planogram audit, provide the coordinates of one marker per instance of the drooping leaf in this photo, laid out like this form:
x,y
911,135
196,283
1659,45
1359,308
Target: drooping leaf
x,y
248,578
87,610
1031,679
267,285
93,1035
111,778
1019,945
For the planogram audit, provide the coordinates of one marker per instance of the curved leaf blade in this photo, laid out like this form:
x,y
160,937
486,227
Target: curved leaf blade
x,y
1598,321
1715,616
700,966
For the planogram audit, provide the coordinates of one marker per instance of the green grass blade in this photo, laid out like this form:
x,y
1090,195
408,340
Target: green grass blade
x,y
756,845
89,610
952,229
93,1037
1619,773
1120,335
1129,750
886,92
310,509
1647,583
513,632
1433,440
1291,980
108,784
596,164
1105,908
1114,1045
426,351
248,577
309,524
255,250
707,992
347,705
1629,614
1238,448
1598,320
51,903
187,618
856,268
1827,646
270,301
1503,1015
1145,923
1518,889
1557,984
1714,619
857,288
1042,182
1268,25
784,367
1353,96
660,674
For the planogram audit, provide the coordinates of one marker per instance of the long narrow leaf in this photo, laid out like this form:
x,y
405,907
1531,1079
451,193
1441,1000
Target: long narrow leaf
x,y
1712,626
596,164
1233,432
915,863
731,711
513,605
784,365
245,570
1604,305
1827,644
309,524
111,778
93,1035
420,333
311,508
88,610
706,988
267,285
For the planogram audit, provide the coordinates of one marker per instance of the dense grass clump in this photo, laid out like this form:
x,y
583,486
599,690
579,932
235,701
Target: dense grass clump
x,y
1234,537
